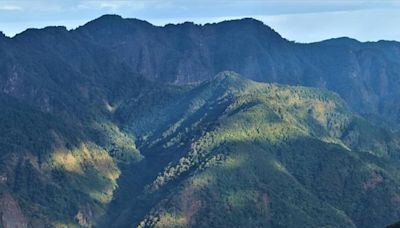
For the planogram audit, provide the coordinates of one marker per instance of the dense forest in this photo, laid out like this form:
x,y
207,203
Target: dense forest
x,y
120,123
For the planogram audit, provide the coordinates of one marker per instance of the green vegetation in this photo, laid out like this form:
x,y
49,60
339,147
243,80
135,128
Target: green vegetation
x,y
226,152
113,124
250,154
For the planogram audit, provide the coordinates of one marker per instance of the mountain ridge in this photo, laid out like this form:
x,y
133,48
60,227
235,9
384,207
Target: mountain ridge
x,y
116,17
187,53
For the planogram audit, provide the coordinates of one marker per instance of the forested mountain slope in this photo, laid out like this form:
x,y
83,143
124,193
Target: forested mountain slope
x,y
230,150
121,123
109,48
244,153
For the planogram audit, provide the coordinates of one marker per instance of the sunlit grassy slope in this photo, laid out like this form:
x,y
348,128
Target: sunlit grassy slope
x,y
56,167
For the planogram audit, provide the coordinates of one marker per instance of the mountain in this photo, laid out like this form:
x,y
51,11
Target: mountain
x,y
364,74
231,150
250,154
120,123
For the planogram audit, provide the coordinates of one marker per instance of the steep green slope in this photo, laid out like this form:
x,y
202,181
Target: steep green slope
x,y
61,152
226,152
56,169
232,152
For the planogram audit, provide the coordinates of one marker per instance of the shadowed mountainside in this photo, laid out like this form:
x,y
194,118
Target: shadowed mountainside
x,y
366,75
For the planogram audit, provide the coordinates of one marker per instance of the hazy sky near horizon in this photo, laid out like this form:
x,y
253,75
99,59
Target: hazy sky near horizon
x,y
298,20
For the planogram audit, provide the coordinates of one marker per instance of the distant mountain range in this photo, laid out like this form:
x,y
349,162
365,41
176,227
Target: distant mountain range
x,y
366,75
120,123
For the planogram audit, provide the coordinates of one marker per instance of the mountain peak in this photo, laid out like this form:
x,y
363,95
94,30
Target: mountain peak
x,y
246,20
109,17
229,80
2,35
251,20
342,41
228,75
112,22
49,30
250,25
52,29
114,18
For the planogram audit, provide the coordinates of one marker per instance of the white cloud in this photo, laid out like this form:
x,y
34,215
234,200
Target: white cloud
x,y
113,5
364,25
10,8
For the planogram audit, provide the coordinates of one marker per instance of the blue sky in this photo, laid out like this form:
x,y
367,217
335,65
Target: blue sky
x,y
298,20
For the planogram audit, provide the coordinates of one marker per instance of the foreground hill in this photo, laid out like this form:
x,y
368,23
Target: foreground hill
x,y
232,152
226,152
